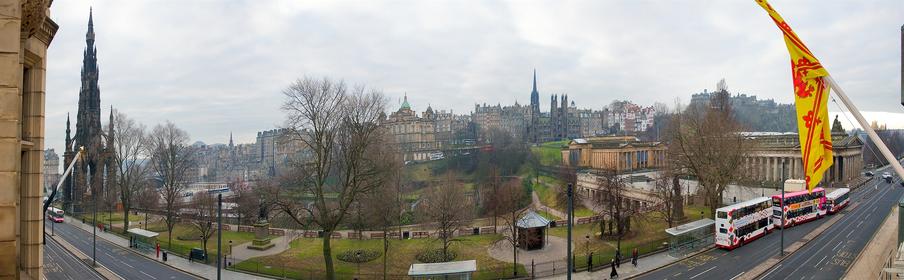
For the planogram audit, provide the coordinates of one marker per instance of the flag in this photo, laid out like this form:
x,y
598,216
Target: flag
x,y
811,95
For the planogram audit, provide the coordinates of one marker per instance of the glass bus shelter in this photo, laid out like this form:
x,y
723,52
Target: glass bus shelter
x,y
690,237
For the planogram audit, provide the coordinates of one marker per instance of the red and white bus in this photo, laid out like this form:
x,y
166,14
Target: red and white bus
x,y
744,222
837,200
799,207
55,214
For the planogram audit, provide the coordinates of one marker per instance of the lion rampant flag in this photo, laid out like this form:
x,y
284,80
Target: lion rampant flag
x,y
811,95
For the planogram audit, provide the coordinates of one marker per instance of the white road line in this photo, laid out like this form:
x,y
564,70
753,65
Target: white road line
x,y
148,275
849,233
736,276
126,264
771,271
701,273
820,261
860,223
836,246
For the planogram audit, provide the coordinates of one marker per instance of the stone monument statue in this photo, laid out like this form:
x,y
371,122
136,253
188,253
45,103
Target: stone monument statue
x,y
261,230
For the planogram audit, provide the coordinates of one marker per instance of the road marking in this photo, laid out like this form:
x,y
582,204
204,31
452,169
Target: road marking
x,y
836,246
701,273
860,223
127,264
148,275
771,271
820,261
849,234
736,276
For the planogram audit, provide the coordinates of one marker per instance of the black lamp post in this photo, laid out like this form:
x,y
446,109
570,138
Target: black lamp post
x,y
230,252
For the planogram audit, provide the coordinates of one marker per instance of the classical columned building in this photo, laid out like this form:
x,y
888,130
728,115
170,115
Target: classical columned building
x,y
615,153
25,33
770,150
415,136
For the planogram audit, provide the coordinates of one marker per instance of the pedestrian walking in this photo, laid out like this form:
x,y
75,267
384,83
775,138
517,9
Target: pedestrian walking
x,y
614,273
634,257
158,250
617,258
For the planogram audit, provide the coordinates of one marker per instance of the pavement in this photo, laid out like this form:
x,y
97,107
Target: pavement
x,y
721,264
625,270
878,250
61,264
113,253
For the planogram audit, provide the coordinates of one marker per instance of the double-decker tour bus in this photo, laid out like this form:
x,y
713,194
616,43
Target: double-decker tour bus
x,y
837,200
799,207
55,214
744,222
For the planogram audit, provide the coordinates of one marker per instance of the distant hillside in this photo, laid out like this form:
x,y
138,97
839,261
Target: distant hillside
x,y
757,115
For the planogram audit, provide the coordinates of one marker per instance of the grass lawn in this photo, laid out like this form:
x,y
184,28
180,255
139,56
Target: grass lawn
x,y
305,258
550,153
115,217
182,247
547,196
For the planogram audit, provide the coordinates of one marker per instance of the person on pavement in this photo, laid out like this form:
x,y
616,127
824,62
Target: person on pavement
x,y
634,257
614,273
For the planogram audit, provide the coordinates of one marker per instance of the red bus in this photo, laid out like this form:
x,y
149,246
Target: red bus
x,y
798,207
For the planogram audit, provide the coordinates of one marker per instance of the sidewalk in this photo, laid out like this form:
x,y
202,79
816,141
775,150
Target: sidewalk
x,y
625,270
198,269
877,251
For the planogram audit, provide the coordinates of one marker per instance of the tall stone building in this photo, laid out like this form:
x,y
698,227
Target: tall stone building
x,y
533,129
414,135
96,167
51,169
25,33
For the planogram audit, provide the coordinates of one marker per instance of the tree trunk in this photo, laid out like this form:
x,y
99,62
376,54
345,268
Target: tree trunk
x,y
385,251
125,217
328,255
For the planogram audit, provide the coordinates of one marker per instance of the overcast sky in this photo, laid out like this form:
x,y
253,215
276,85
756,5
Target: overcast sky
x,y
216,67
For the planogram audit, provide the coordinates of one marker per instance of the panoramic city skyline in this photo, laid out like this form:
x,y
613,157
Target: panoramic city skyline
x,y
222,67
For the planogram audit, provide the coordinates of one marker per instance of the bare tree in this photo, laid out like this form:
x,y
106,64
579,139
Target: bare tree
x,y
447,207
171,157
246,199
667,191
203,214
129,159
512,205
707,142
382,208
341,127
614,203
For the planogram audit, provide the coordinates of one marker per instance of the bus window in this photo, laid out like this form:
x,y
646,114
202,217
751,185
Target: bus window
x,y
723,230
722,215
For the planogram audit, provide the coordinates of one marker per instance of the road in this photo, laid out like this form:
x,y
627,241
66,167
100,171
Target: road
x,y
721,264
832,252
124,262
61,264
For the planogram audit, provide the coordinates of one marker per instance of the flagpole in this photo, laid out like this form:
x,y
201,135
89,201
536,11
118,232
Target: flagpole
x,y
869,130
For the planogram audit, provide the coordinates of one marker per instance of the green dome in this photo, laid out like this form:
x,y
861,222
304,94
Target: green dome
x,y
405,104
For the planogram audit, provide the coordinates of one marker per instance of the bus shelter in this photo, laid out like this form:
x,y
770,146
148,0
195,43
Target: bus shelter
x,y
690,237
142,239
460,270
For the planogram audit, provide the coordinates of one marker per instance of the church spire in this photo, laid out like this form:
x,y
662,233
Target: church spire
x,y
89,37
68,137
230,139
535,81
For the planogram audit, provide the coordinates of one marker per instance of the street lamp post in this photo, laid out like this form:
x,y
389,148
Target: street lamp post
x,y
570,260
782,184
219,234
230,252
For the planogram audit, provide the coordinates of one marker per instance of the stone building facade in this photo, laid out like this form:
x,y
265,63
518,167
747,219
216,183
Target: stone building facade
x,y
771,149
272,152
614,153
26,31
51,169
415,135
